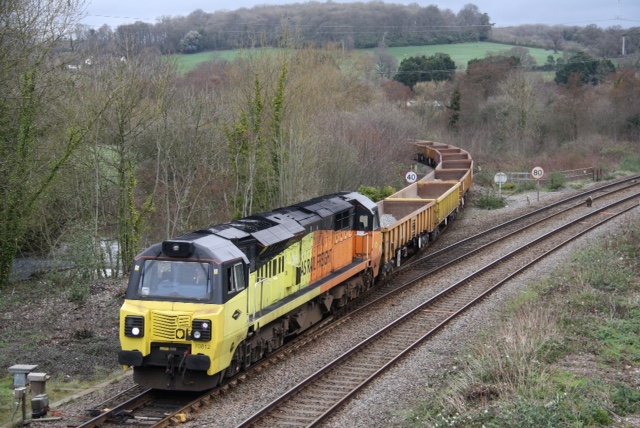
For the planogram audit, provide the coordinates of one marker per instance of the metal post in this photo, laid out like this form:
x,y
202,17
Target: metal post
x,y
24,408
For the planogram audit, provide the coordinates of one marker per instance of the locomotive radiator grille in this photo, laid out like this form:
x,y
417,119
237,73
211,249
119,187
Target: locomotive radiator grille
x,y
166,325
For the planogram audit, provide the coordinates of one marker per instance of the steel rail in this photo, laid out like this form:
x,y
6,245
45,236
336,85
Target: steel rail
x,y
321,375
330,323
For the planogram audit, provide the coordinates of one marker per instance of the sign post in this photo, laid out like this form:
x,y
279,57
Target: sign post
x,y
500,178
537,173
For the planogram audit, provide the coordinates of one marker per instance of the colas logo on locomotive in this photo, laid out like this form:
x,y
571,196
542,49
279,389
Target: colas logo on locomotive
x,y
316,262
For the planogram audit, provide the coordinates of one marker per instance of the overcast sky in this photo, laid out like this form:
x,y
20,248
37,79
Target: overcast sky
x,y
604,13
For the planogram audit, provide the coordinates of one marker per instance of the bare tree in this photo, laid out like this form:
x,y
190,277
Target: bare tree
x,y
190,168
556,38
518,100
138,88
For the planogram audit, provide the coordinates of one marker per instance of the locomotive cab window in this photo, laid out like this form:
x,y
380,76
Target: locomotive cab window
x,y
366,220
343,220
363,222
235,278
175,279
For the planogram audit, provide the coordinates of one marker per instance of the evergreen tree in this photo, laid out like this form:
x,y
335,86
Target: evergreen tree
x,y
590,70
438,67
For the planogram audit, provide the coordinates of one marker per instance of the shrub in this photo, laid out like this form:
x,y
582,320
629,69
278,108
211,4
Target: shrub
x,y
376,194
483,178
76,263
491,201
80,291
531,414
526,185
509,187
631,164
556,181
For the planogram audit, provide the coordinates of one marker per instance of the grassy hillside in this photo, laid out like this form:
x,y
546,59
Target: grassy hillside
x,y
187,62
460,53
464,52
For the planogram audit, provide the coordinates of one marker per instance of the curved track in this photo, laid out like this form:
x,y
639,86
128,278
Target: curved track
x,y
314,399
150,409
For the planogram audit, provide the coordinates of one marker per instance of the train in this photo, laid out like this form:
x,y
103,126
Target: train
x,y
201,307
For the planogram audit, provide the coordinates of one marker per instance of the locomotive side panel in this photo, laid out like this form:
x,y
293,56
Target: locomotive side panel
x,y
342,253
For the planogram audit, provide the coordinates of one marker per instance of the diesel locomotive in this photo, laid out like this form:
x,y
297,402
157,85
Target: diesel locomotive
x,y
201,307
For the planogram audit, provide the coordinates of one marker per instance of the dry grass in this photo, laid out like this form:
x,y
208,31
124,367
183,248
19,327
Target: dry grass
x,y
567,352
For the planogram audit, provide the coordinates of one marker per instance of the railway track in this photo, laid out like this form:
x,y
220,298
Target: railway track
x,y
452,254
151,410
317,397
144,407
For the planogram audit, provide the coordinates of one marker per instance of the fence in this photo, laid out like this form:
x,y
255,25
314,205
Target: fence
x,y
571,175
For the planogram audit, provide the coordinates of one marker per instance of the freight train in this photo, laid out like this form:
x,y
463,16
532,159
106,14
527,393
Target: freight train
x,y
204,306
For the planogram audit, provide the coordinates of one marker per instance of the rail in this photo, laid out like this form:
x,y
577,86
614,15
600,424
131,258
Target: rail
x,y
313,400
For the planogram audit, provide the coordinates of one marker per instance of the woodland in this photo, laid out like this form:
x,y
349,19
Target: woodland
x,y
106,148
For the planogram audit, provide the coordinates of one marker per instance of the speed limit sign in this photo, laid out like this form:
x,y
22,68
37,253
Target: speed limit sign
x,y
537,173
411,176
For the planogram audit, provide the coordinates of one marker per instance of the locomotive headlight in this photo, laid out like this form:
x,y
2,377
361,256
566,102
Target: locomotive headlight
x,y
201,330
134,326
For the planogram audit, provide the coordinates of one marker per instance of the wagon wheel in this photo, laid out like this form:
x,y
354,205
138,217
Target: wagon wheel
x,y
367,278
424,239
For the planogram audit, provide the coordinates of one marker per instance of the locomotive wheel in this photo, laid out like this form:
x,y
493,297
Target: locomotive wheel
x,y
367,279
247,360
236,363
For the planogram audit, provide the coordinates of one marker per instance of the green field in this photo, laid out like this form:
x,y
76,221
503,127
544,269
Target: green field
x,y
464,52
460,53
187,62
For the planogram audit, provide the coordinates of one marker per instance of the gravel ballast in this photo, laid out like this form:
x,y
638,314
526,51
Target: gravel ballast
x,y
386,401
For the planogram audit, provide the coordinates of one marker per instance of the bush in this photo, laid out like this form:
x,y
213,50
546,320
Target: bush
x,y
491,201
376,194
510,187
530,414
483,178
556,181
526,185
80,292
631,164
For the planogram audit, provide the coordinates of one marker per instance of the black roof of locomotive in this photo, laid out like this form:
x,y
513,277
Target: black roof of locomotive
x,y
203,247
281,226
